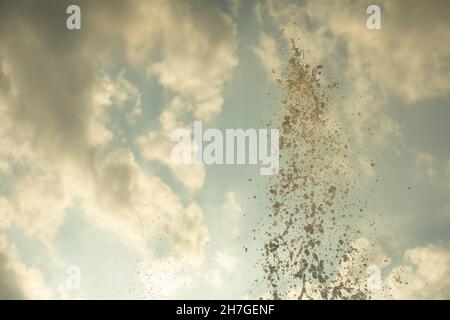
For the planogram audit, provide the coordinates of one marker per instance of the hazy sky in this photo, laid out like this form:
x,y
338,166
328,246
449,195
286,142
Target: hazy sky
x,y
86,178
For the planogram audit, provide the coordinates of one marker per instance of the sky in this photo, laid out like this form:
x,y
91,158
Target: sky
x,y
86,178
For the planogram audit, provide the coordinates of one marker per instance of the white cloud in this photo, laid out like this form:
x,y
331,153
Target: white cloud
x,y
106,93
163,278
38,204
231,205
197,56
422,273
425,274
56,101
415,68
267,53
377,64
216,279
157,145
139,207
226,260
196,62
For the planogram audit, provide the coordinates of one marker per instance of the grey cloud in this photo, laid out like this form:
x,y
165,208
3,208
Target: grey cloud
x,y
18,281
55,76
52,77
10,288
